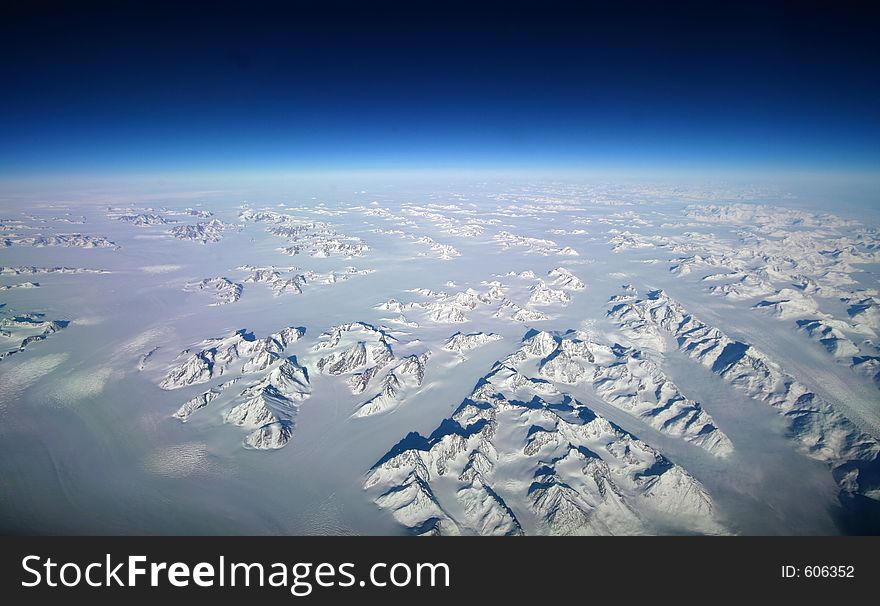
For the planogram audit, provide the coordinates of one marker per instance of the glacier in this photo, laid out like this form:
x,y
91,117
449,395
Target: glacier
x,y
443,358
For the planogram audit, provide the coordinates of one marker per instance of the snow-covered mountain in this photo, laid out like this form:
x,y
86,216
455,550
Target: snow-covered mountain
x,y
203,233
222,289
517,454
822,430
443,361
364,355
274,385
19,331
66,240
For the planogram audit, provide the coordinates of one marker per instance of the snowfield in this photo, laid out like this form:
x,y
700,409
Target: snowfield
x,y
493,360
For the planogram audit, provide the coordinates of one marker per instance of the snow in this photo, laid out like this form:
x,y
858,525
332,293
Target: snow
x,y
440,360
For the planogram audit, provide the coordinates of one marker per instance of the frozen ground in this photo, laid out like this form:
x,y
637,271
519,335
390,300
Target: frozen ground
x,y
482,358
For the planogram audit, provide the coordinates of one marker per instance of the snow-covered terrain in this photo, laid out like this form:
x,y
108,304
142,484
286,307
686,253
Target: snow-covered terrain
x,y
18,331
485,359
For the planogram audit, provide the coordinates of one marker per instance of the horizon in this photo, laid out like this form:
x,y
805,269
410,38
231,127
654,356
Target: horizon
x,y
319,268
732,90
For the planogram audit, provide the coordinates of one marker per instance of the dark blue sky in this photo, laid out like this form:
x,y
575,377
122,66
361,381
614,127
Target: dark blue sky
x,y
96,88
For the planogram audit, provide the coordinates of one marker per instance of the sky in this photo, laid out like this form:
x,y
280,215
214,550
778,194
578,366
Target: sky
x,y
91,88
